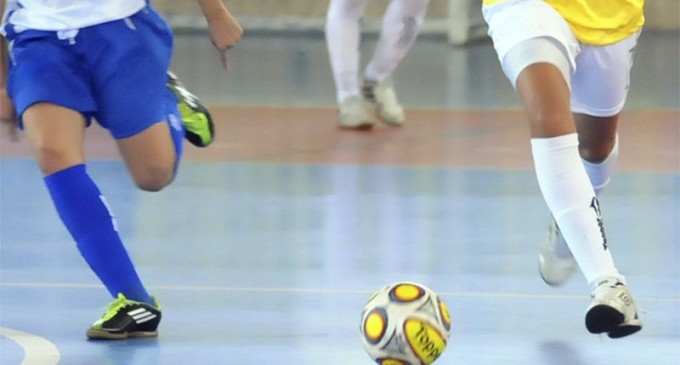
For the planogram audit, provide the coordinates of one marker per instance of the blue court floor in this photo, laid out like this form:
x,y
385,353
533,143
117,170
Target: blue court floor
x,y
268,256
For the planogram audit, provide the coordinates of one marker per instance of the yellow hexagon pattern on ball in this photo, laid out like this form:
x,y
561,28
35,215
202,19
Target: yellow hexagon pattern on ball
x,y
375,325
406,293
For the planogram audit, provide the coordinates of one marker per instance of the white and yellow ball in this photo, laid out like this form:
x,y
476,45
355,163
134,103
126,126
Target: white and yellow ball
x,y
405,324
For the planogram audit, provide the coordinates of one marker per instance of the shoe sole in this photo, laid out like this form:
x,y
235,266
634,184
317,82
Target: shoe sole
x,y
358,127
605,319
194,139
362,124
391,121
625,329
553,283
94,334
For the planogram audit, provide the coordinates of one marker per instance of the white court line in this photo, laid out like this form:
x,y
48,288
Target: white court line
x,y
37,350
668,299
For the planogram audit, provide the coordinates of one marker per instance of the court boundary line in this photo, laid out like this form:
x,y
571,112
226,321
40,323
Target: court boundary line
x,y
37,350
234,289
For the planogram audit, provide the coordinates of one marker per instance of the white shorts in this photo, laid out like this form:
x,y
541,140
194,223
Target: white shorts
x,y
599,76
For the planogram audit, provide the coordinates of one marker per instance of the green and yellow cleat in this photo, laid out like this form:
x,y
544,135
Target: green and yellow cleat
x,y
126,318
198,125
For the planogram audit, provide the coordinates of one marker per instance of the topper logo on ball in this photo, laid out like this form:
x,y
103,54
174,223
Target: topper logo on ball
x,y
426,342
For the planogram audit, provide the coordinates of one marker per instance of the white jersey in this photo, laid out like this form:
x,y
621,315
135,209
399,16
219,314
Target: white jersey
x,y
62,15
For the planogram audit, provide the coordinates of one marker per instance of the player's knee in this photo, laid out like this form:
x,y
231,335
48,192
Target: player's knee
x,y
596,152
546,121
52,159
153,178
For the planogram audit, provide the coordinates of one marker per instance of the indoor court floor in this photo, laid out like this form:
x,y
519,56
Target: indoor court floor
x,y
269,243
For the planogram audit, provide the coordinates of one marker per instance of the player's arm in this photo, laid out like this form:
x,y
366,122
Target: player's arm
x,y
225,30
8,117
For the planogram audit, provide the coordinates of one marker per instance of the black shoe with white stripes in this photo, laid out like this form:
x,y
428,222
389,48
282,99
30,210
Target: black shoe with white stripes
x,y
126,318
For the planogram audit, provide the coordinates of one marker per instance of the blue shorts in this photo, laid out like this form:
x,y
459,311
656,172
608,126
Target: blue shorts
x,y
114,72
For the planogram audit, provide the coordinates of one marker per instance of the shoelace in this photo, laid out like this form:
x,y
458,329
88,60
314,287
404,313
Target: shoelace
x,y
113,307
186,97
183,94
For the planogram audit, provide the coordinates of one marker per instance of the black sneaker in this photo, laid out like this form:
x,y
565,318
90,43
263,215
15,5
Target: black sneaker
x,y
126,318
198,125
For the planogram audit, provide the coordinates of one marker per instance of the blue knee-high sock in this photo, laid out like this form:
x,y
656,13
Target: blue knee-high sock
x,y
84,211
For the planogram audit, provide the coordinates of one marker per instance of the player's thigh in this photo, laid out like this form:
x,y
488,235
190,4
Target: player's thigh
x,y
514,22
545,96
134,102
602,78
150,157
51,96
599,90
56,134
45,68
130,74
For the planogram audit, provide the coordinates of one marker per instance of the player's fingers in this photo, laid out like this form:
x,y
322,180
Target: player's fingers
x,y
224,59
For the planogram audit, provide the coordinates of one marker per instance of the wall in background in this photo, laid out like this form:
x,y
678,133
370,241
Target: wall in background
x,y
661,14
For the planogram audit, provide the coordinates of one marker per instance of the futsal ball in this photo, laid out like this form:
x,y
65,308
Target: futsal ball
x,y
405,324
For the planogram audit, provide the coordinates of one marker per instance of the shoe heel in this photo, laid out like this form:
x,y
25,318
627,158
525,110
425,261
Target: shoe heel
x,y
603,318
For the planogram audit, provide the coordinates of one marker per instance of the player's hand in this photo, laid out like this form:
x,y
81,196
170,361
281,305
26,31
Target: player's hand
x,y
225,32
8,117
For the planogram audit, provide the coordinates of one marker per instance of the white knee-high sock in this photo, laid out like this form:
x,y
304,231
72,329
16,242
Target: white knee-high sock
x,y
571,199
400,26
600,176
343,33
600,173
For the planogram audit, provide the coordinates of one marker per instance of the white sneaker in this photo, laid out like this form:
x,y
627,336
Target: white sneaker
x,y
383,96
555,268
356,113
612,310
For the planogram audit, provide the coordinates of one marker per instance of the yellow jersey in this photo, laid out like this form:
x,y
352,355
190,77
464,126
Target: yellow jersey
x,y
598,22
